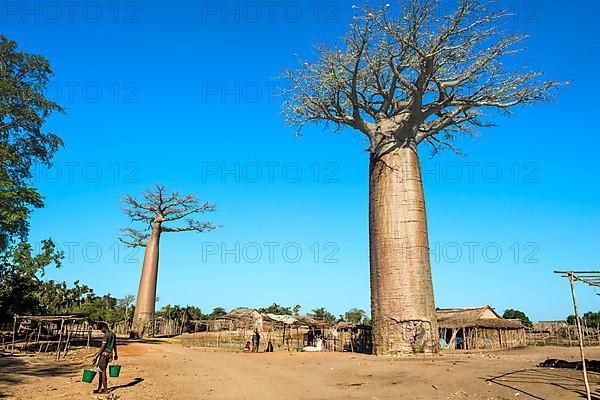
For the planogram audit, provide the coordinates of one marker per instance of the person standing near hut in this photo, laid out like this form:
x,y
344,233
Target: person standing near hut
x,y
256,339
104,356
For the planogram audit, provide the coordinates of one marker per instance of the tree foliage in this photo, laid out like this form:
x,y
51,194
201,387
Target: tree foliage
x,y
355,316
322,314
277,309
24,109
591,318
23,291
405,75
20,273
187,313
216,313
516,314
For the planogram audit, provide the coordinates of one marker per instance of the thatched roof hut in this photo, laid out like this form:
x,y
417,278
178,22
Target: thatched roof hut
x,y
478,328
242,318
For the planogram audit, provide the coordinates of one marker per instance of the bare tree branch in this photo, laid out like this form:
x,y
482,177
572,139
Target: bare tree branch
x,y
403,76
158,207
134,238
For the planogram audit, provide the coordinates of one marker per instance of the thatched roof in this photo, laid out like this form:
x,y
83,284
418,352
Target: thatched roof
x,y
297,320
241,313
484,317
307,320
285,319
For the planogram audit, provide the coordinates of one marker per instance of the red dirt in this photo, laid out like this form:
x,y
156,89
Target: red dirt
x,y
172,371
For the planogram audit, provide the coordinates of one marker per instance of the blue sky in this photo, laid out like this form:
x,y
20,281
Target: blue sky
x,y
182,95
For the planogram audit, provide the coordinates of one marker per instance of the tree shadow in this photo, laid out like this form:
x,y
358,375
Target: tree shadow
x,y
566,380
134,382
15,369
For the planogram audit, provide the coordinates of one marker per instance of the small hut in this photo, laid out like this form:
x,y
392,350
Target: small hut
x,y
242,318
355,338
478,328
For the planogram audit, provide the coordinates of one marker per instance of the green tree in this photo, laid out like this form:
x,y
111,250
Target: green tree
x,y
516,314
20,277
24,108
216,313
355,315
591,318
276,309
322,314
170,312
193,313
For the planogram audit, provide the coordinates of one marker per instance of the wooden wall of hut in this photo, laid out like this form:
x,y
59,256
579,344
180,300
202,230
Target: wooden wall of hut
x,y
480,338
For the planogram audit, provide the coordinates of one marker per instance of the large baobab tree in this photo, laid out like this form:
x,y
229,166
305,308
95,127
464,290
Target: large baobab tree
x,y
403,76
157,210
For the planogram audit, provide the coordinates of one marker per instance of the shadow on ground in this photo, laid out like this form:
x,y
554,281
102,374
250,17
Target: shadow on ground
x,y
564,380
15,369
134,382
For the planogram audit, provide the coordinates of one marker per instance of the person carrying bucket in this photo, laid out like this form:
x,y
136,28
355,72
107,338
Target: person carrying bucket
x,y
104,356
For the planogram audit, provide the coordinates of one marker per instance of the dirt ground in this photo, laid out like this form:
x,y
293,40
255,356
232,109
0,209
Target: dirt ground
x,y
172,371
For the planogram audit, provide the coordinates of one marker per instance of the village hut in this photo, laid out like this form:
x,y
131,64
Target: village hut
x,y
355,338
242,318
478,328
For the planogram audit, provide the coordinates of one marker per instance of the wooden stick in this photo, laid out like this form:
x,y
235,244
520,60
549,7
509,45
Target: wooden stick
x,y
12,349
68,343
62,322
579,331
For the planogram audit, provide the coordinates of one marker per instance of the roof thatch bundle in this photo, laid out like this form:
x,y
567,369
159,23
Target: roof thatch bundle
x,y
484,317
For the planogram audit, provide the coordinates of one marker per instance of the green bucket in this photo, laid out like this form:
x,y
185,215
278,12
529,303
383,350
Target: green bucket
x,y
88,375
114,371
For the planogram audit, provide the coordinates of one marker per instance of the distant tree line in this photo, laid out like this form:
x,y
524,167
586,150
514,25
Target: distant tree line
x,y
590,318
517,314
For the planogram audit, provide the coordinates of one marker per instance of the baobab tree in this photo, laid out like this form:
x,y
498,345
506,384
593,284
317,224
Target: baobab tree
x,y
125,303
157,210
404,76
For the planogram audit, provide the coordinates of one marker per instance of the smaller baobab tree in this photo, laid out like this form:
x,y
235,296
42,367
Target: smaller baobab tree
x,y
125,303
158,210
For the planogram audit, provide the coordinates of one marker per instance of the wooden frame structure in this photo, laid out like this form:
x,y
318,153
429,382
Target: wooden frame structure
x,y
590,278
47,331
478,328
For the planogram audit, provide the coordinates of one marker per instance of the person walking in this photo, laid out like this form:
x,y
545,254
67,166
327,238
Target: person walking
x,y
106,353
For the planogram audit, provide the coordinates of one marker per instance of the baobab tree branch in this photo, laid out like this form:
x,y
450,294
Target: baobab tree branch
x,y
403,76
134,238
158,208
193,225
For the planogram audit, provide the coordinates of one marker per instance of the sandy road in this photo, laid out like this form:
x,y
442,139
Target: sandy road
x,y
172,371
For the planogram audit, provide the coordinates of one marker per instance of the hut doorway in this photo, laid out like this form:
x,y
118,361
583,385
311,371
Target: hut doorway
x,y
460,339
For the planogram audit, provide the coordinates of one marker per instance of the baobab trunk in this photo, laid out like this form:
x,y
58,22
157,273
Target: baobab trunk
x,y
402,303
146,297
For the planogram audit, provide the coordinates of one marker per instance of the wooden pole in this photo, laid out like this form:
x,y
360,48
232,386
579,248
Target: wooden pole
x,y
12,348
39,331
62,322
68,342
576,310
